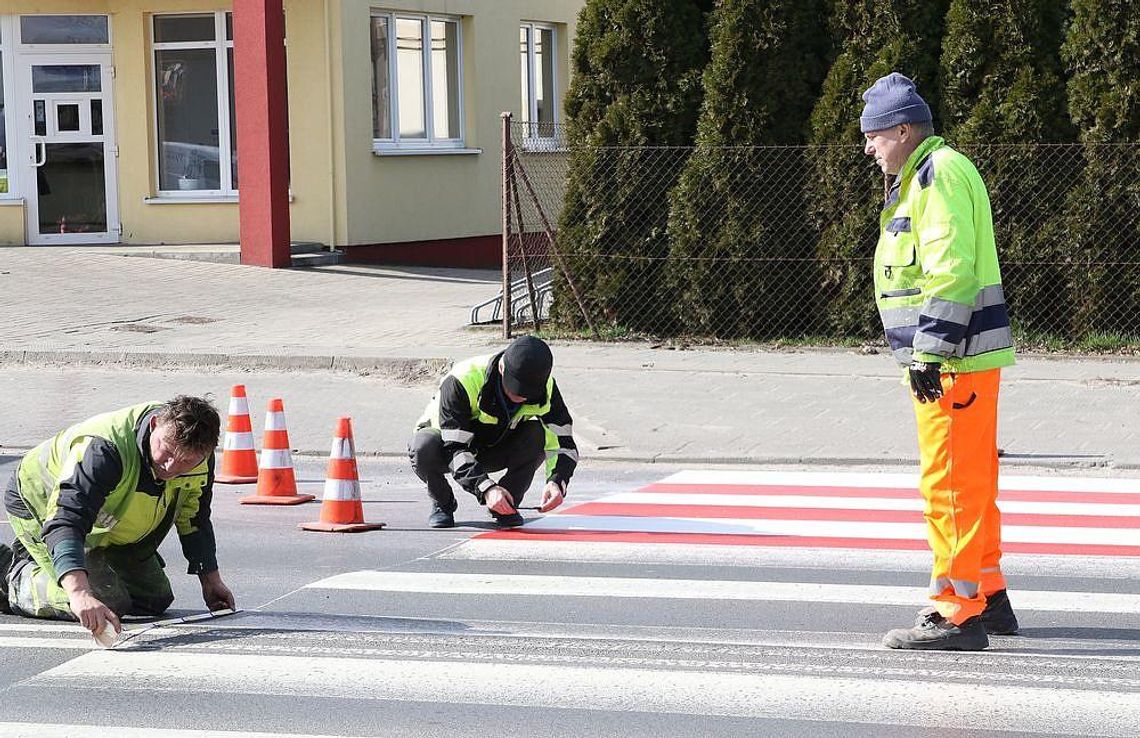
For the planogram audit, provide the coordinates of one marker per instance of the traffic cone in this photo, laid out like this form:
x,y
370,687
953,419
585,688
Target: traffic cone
x,y
341,511
239,460
276,484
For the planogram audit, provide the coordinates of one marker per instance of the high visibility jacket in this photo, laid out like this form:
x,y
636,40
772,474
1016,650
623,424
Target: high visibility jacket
x,y
470,417
91,486
937,281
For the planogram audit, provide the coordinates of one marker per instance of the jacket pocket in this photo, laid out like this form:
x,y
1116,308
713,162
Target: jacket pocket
x,y
902,293
898,252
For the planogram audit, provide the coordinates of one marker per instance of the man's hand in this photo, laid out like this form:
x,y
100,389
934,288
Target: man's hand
x,y
552,495
925,380
85,606
499,500
215,593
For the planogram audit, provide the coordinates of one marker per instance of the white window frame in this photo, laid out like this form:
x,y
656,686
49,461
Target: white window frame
x,y
221,46
17,38
430,143
9,34
531,137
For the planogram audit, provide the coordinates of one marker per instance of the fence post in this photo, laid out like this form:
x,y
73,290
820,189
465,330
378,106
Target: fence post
x,y
506,301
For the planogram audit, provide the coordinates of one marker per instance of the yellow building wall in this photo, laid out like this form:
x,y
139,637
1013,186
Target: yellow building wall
x,y
341,192
12,223
393,199
143,220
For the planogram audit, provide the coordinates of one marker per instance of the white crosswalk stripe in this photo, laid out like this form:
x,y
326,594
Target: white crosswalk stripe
x,y
693,692
567,586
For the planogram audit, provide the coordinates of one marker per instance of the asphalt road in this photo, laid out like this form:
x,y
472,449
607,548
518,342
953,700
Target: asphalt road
x,y
410,631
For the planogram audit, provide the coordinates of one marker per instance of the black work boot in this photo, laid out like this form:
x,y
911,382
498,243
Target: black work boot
x,y
936,633
441,517
998,617
5,567
511,520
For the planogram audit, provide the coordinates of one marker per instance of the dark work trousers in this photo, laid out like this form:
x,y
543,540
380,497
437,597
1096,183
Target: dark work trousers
x,y
520,452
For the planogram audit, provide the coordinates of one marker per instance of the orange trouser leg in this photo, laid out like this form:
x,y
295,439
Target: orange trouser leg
x,y
992,578
957,440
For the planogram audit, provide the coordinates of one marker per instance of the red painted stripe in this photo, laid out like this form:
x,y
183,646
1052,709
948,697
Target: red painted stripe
x,y
522,534
612,509
1119,498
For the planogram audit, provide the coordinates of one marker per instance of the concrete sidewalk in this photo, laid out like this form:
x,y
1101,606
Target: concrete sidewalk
x,y
377,337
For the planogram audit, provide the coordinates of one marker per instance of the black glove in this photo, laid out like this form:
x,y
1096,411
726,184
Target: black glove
x,y
925,380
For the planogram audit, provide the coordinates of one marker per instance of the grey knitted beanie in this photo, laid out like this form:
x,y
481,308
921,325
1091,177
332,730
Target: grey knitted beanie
x,y
891,101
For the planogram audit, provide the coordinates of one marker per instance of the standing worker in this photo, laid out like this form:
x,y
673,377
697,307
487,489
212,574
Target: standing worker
x,y
91,505
502,411
938,290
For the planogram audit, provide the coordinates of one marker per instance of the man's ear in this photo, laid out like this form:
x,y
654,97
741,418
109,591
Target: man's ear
x,y
153,422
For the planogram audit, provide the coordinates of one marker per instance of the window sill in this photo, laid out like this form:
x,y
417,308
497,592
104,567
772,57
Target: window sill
x,y
425,152
6,201
196,199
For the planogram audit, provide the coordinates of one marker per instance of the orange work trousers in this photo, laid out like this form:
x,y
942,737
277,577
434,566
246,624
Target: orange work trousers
x,y
957,441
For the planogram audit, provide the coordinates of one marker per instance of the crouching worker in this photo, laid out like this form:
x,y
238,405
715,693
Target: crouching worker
x,y
502,411
90,507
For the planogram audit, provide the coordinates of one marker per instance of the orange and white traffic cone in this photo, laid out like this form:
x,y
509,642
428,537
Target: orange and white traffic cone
x,y
341,510
276,483
239,460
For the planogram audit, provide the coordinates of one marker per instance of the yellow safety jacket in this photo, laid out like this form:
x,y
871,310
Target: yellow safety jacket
x,y
937,281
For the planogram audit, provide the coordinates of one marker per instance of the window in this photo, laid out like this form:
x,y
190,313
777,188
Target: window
x,y
416,81
539,97
194,102
64,29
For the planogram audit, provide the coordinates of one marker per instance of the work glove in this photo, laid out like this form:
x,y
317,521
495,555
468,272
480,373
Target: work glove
x,y
925,380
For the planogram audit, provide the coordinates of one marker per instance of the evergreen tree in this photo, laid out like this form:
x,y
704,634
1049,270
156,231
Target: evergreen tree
x,y
1002,95
636,70
1102,55
876,37
735,202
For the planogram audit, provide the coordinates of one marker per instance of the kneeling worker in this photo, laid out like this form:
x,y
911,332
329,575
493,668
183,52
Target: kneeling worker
x,y
502,411
90,507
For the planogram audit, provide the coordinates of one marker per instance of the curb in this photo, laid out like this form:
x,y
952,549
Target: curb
x,y
400,367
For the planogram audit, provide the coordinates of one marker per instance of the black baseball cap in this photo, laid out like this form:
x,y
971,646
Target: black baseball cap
x,y
526,368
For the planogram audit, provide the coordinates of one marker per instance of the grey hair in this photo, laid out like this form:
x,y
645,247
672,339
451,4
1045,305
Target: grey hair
x,y
924,129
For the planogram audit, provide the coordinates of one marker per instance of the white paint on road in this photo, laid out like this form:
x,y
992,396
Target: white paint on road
x,y
830,559
914,504
524,585
893,481
881,701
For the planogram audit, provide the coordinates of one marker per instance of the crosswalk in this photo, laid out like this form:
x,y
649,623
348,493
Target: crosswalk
x,y
1041,515
643,613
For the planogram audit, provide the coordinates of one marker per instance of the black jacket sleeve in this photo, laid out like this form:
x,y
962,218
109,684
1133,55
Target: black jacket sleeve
x,y
458,430
561,451
195,531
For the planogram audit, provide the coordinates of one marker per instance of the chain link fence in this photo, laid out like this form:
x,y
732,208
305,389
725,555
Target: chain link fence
x,y
774,244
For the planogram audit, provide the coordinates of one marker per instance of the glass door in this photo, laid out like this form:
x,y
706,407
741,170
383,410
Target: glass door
x,y
70,151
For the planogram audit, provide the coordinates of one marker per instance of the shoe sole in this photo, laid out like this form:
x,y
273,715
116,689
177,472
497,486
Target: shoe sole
x,y
933,645
996,632
441,525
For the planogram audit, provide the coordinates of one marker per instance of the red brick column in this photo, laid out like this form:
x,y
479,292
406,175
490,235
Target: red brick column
x,y
262,131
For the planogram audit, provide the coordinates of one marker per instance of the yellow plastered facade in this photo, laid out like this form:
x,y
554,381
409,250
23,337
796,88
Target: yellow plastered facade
x,y
342,192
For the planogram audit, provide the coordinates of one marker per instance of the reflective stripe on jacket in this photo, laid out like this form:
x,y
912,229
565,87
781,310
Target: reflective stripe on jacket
x,y
469,416
90,486
937,280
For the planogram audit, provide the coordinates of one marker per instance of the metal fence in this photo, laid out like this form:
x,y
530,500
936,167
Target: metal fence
x,y
774,244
